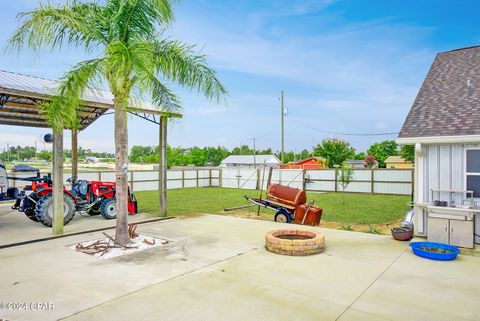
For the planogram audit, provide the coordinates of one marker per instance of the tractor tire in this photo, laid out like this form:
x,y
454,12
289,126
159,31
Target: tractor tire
x,y
44,210
108,208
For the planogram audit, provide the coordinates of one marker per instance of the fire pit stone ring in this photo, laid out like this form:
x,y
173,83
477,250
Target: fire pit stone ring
x,y
294,242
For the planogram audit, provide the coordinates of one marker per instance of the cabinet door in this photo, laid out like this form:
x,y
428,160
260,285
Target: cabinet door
x,y
461,233
437,230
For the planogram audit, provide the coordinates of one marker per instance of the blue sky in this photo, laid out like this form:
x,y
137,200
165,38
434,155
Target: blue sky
x,y
346,66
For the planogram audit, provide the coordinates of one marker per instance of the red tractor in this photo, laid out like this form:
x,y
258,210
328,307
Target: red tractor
x,y
85,197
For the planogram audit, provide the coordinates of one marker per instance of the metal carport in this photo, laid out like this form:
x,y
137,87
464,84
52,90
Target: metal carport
x,y
21,97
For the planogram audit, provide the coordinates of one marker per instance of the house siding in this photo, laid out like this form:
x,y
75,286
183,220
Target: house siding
x,y
443,168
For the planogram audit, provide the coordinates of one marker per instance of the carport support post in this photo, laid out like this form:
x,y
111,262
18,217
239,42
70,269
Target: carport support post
x,y
57,182
74,155
162,165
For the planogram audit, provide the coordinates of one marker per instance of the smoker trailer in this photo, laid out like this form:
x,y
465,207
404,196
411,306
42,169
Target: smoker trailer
x,y
290,205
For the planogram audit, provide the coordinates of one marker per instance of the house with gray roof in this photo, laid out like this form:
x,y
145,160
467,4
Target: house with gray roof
x,y
444,126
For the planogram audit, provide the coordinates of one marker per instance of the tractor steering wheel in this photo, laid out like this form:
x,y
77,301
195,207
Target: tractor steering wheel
x,y
71,179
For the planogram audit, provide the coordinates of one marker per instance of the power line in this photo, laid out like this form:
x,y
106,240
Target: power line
x,y
256,137
343,134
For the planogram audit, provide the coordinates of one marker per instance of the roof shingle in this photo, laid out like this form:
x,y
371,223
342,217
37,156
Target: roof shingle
x,y
448,103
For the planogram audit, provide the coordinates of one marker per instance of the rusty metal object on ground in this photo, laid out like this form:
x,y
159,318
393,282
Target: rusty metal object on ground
x,y
152,242
102,246
94,248
286,195
295,242
311,217
132,228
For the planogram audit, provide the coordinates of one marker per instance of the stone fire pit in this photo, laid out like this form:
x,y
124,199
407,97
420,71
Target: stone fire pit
x,y
294,242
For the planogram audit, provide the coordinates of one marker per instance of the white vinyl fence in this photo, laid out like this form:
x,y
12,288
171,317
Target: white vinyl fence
x,y
372,181
376,181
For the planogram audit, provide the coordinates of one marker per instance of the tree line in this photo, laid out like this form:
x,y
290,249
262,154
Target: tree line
x,y
334,150
23,153
203,156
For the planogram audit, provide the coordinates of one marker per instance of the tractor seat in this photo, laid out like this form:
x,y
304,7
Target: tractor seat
x,y
80,188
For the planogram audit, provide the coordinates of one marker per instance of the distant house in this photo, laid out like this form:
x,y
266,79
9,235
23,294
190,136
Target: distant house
x,y
397,162
308,163
250,161
356,163
444,126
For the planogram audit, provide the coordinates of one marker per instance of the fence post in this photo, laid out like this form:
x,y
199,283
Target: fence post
x,y
99,176
131,180
372,181
336,178
269,179
210,177
258,179
304,183
197,177
220,183
183,178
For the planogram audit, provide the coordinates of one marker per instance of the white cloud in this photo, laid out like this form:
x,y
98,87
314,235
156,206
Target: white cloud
x,y
354,77
361,77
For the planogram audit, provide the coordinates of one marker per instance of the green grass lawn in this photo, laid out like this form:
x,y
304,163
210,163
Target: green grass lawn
x,y
359,208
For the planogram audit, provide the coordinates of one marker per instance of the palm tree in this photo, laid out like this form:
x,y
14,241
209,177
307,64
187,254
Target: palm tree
x,y
133,59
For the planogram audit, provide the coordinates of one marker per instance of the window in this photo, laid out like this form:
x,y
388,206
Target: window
x,y
473,171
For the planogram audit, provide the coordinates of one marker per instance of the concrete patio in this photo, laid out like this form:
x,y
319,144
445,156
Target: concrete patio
x,y
218,269
15,227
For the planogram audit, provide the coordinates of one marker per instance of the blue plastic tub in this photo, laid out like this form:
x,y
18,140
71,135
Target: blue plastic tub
x,y
418,249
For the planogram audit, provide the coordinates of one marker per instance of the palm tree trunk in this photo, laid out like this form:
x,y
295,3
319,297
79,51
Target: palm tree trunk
x,y
121,161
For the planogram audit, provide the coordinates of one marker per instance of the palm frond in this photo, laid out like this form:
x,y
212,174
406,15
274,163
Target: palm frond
x,y
163,97
145,81
61,112
134,61
178,63
139,18
53,25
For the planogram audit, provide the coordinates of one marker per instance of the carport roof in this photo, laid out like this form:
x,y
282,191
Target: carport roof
x,y
21,97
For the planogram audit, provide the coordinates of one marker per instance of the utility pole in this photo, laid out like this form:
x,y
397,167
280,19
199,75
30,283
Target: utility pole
x,y
282,114
254,154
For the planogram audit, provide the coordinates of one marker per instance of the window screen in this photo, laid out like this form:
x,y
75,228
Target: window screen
x,y
473,161
473,184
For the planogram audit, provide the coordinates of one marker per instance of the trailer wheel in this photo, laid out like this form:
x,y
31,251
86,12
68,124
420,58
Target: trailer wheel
x,y
108,208
44,209
282,216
